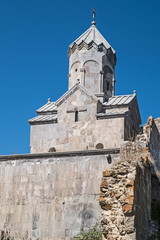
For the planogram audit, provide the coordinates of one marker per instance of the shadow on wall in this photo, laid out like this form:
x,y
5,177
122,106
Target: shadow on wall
x,y
86,215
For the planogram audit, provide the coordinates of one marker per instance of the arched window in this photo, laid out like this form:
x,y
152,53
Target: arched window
x,y
52,149
99,146
76,116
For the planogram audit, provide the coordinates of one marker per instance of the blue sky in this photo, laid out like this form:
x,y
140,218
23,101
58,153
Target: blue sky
x,y
34,39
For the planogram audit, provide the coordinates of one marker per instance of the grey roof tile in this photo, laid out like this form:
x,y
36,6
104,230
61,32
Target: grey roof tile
x,y
44,118
48,107
119,100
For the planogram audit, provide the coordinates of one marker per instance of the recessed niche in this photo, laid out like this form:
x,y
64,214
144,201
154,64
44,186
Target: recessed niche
x,y
99,146
52,149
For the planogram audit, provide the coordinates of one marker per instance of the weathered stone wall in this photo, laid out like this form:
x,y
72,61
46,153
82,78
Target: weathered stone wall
x,y
51,196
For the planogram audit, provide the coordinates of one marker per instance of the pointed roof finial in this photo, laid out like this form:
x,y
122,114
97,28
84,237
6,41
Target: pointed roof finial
x,y
94,15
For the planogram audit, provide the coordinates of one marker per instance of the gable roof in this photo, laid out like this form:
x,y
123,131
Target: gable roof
x,y
51,107
48,112
76,87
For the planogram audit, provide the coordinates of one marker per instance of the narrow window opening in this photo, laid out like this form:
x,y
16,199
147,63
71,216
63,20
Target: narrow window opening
x,y
109,159
107,86
76,116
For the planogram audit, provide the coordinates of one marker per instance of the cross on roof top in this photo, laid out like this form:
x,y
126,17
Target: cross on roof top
x,y
94,15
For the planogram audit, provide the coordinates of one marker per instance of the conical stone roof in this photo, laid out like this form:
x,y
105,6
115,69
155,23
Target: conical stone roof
x,y
92,35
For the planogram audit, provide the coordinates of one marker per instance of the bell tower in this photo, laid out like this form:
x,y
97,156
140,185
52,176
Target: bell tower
x,y
92,63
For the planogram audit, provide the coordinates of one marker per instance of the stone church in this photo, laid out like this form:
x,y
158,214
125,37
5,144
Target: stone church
x,y
89,115
90,161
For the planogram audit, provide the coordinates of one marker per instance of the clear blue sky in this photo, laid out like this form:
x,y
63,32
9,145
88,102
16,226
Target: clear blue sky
x,y
34,39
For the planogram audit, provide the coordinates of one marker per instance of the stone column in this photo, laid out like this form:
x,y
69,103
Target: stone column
x,y
101,81
69,75
113,85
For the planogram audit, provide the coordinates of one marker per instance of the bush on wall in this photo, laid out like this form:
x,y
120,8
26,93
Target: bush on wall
x,y
5,235
93,234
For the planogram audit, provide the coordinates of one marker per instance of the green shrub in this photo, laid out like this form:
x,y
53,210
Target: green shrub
x,y
93,234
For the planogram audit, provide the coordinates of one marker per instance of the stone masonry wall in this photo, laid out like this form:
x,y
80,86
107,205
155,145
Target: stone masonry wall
x,y
51,196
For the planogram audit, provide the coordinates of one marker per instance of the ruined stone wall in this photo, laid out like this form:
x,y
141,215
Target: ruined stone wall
x,y
130,199
132,121
126,200
150,129
157,122
51,196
